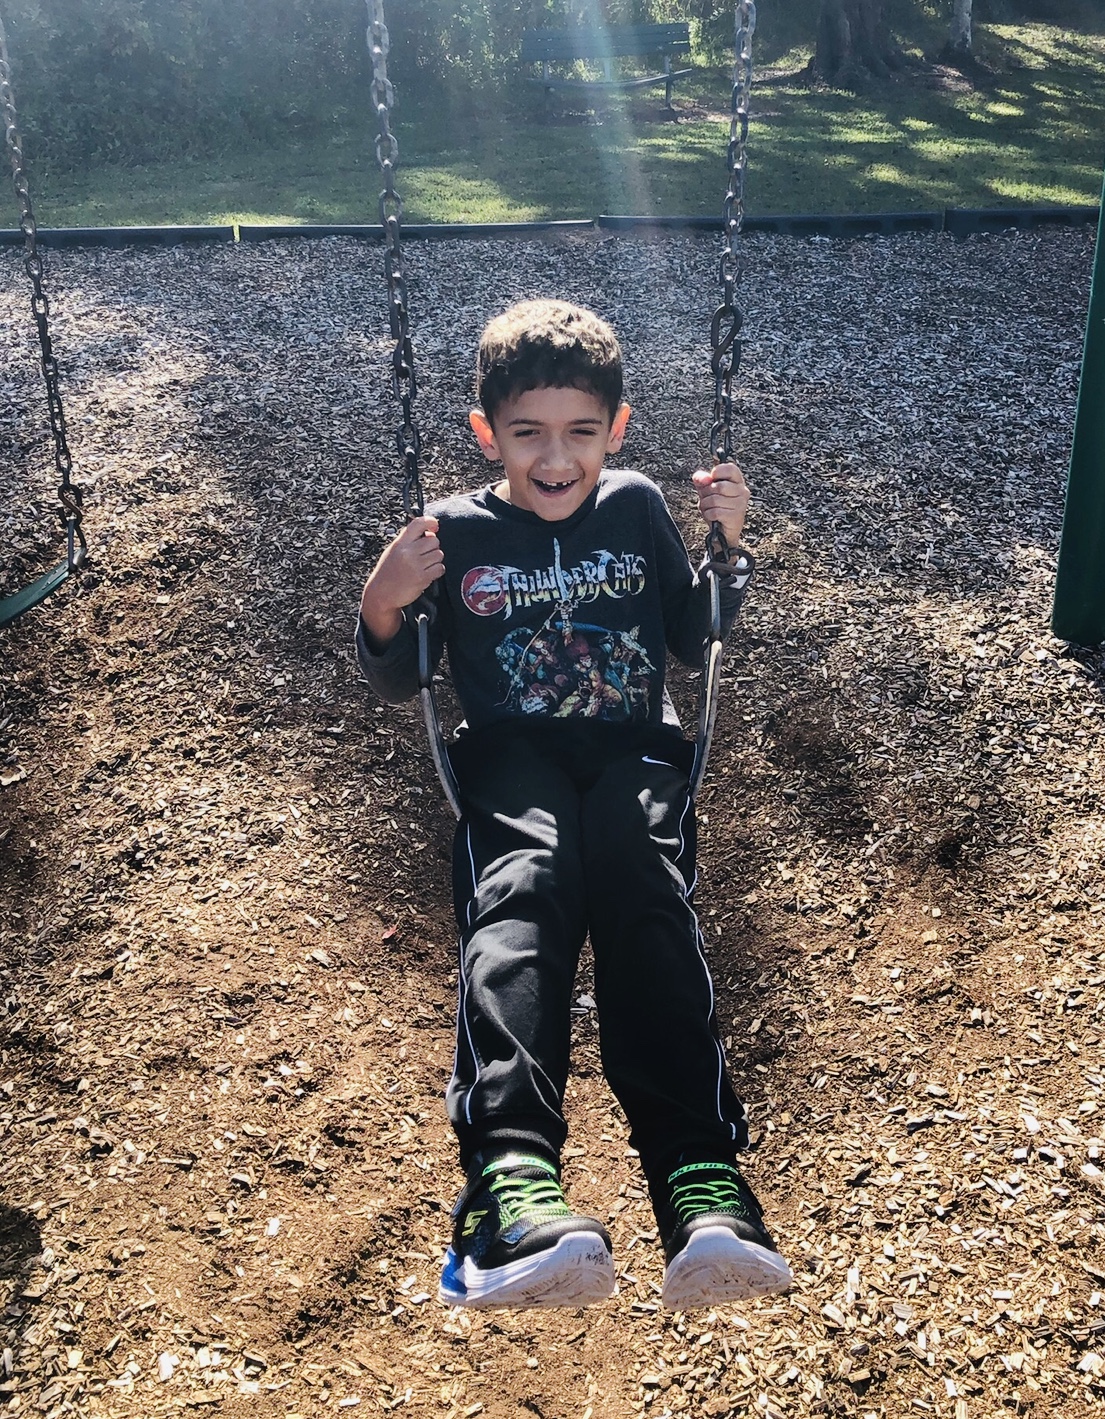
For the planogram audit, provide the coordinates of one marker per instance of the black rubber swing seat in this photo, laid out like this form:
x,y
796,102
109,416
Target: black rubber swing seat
x,y
14,606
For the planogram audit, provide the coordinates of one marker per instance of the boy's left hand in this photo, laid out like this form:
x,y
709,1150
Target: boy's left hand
x,y
723,498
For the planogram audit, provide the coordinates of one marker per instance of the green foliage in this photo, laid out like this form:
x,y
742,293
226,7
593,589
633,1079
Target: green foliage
x,y
140,79
144,80
170,80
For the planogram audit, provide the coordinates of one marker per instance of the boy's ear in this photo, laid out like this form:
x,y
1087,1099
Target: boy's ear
x,y
617,428
485,434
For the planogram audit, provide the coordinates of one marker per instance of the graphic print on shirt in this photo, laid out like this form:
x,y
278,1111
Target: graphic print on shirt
x,y
564,666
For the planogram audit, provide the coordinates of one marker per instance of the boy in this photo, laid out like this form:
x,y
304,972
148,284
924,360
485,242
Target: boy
x,y
562,588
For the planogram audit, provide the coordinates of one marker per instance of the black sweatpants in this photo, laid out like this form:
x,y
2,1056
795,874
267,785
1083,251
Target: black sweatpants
x,y
570,828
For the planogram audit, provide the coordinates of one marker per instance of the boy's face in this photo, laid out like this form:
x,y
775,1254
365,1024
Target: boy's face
x,y
552,443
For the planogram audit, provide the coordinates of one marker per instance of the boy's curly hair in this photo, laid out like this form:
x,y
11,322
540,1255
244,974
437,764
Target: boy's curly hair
x,y
547,344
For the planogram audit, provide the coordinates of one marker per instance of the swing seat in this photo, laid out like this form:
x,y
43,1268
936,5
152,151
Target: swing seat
x,y
19,602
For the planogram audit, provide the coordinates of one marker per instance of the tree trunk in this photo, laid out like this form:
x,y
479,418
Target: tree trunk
x,y
853,44
959,36
958,51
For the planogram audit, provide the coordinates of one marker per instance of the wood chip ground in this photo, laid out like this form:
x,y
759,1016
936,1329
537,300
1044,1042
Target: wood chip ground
x,y
226,953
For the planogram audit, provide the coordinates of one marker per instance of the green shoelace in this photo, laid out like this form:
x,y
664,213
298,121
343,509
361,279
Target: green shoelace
x,y
692,1196
532,1199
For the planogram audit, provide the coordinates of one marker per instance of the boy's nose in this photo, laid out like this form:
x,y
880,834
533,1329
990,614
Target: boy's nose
x,y
556,455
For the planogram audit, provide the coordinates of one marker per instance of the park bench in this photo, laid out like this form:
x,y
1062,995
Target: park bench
x,y
569,47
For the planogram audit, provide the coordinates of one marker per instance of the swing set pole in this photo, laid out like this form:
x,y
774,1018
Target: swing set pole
x,y
1078,613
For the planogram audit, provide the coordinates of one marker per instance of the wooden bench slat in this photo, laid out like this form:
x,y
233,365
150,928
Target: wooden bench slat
x,y
619,42
568,53
612,84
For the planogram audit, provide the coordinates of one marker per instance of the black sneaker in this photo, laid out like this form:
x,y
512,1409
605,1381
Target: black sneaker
x,y
516,1242
715,1242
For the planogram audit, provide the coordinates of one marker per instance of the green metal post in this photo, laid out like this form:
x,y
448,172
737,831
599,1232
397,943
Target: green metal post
x,y
1078,613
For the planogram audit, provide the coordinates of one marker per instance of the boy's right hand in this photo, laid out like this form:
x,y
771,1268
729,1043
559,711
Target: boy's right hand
x,y
408,565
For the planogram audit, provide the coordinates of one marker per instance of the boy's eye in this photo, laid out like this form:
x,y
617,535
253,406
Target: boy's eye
x,y
584,431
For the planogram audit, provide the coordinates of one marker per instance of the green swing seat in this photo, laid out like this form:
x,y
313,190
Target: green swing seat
x,y
27,597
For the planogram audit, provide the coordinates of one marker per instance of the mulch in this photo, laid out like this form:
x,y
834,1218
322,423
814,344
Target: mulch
x,y
226,971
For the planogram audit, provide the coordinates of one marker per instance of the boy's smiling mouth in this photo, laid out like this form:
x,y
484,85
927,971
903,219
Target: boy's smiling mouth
x,y
553,488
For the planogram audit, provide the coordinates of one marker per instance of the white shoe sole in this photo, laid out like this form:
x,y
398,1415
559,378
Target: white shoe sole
x,y
577,1271
716,1265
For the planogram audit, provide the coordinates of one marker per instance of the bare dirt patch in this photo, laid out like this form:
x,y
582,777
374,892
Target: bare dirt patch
x,y
226,968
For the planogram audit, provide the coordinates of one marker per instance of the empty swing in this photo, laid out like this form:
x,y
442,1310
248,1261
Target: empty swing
x,y
69,493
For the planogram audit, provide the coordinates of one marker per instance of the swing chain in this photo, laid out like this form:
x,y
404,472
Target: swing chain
x,y
403,378
421,614
70,495
725,327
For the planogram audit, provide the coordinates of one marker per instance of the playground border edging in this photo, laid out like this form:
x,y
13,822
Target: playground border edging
x,y
958,221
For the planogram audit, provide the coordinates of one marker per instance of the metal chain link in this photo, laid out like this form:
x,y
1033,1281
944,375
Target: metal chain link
x,y
728,319
403,376
70,495
424,610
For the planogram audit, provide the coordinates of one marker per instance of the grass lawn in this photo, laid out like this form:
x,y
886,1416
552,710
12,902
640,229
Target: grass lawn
x,y
1032,135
